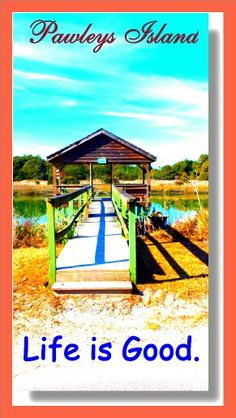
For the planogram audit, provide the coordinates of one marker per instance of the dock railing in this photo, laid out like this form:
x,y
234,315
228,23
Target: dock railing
x,y
78,204
125,204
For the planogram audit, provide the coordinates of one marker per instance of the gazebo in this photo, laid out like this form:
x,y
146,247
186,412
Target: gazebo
x,y
102,258
103,147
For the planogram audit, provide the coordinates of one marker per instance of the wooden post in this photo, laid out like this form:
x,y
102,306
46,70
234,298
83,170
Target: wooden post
x,y
59,179
79,206
148,179
123,209
91,174
132,243
90,194
71,208
143,175
51,243
87,203
54,177
143,172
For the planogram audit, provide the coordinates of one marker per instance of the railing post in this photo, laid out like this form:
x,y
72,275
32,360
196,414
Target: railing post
x,y
87,203
51,243
71,208
79,206
132,243
123,209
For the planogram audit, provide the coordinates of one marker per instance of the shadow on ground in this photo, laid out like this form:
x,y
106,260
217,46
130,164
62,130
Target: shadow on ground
x,y
149,269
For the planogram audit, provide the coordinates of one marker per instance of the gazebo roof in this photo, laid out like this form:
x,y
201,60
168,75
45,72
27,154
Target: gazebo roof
x,y
101,144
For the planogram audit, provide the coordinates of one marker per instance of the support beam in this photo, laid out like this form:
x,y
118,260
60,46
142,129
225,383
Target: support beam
x,y
112,176
143,171
54,177
148,168
59,178
91,174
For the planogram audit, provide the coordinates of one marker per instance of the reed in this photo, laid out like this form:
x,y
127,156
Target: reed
x,y
171,187
195,228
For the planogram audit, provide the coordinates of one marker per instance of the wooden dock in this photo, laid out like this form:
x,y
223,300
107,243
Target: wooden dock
x,y
97,258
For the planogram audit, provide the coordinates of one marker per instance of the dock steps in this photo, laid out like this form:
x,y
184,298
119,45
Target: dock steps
x,y
94,286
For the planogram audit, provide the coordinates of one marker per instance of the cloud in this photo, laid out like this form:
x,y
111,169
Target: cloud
x,y
39,52
69,56
180,148
175,90
41,76
45,81
186,96
68,103
32,147
158,120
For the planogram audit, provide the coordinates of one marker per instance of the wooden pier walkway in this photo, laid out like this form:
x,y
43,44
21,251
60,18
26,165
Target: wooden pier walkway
x,y
97,258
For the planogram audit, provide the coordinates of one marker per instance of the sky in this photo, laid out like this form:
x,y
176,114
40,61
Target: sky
x,y
153,95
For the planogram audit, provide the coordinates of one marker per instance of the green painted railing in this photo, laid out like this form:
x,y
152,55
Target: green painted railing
x,y
125,204
75,210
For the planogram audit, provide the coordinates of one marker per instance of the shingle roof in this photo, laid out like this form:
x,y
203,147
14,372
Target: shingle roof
x,y
93,135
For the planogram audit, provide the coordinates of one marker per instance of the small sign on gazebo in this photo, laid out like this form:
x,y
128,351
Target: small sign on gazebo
x,y
102,160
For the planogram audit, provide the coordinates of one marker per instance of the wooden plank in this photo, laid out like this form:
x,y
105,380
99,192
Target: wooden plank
x,y
78,275
65,198
93,286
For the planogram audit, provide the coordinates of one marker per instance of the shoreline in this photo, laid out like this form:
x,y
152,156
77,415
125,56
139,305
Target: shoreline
x,y
160,187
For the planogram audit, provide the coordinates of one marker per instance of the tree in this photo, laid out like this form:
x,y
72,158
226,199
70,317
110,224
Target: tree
x,y
183,167
73,173
29,167
18,164
204,170
164,173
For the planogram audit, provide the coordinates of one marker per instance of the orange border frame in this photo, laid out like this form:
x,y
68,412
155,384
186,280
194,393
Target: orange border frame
x,y
9,6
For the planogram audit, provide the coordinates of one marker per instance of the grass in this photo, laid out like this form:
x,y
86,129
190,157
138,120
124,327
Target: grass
x,y
195,228
171,187
32,187
157,186
176,263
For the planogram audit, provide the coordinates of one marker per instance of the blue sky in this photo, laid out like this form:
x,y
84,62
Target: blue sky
x,y
154,95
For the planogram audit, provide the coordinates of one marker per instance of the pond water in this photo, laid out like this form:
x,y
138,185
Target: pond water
x,y
177,207
33,208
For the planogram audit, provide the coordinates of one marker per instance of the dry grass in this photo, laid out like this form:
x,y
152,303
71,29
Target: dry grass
x,y
171,187
31,187
176,259
29,235
157,186
195,228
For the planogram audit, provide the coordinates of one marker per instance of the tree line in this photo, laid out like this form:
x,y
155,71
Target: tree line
x,y
29,167
185,169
